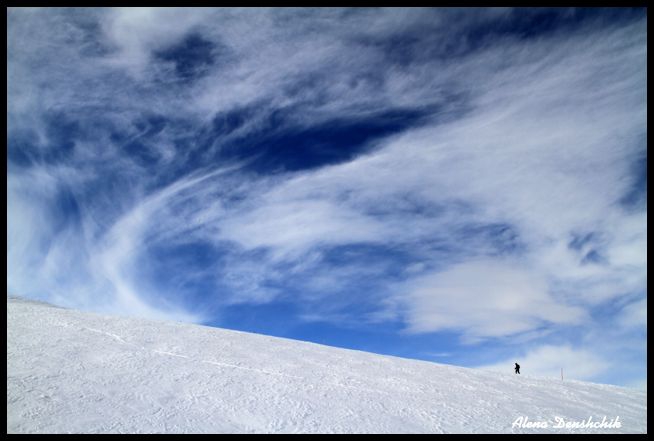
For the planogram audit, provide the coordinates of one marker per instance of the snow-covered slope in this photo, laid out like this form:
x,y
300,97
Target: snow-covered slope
x,y
71,371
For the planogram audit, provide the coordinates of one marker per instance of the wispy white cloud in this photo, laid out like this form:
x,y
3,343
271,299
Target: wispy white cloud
x,y
138,32
82,264
486,298
518,158
634,315
292,228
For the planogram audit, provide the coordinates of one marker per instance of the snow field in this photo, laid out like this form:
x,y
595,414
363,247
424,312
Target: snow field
x,y
76,372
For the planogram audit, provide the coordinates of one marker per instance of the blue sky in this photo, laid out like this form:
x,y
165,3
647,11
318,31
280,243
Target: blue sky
x,y
466,186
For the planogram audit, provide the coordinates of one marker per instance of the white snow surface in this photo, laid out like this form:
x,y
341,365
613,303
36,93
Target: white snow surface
x,y
77,372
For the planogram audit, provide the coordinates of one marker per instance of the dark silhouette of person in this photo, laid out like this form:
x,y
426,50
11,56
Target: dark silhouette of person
x,y
517,368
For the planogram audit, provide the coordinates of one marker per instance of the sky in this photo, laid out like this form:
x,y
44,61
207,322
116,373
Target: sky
x,y
464,186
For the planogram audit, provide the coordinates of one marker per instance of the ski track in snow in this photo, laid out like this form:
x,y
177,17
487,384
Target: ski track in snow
x,y
72,372
216,363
